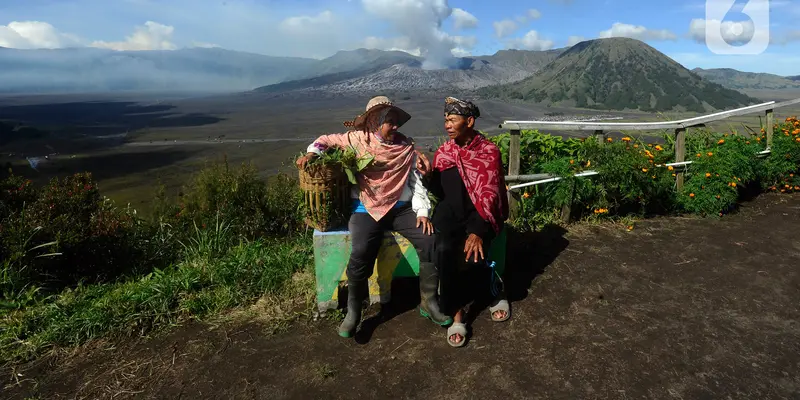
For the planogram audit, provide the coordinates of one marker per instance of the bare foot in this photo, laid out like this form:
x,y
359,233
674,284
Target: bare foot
x,y
499,314
457,338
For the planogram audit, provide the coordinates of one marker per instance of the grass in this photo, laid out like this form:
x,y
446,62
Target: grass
x,y
210,280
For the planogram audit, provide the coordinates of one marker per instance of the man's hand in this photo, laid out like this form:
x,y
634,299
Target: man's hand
x,y
425,223
474,247
302,161
423,165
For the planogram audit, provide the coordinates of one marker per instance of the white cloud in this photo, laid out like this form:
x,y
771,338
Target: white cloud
x,y
733,32
534,14
531,41
504,28
204,45
34,35
421,22
401,43
780,64
786,37
573,40
308,25
150,36
463,19
619,29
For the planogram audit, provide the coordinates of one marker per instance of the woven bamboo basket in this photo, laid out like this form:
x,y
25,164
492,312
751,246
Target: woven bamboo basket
x,y
326,194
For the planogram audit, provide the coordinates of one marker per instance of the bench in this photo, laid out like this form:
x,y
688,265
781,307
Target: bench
x,y
396,258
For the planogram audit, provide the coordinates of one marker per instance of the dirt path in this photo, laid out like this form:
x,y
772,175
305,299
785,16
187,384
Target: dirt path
x,y
675,309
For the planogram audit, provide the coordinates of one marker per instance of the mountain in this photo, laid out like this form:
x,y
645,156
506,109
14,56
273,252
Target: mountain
x,y
793,78
369,70
734,79
619,73
98,70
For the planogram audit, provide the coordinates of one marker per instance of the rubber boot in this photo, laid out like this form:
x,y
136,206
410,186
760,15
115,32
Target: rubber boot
x,y
356,292
429,301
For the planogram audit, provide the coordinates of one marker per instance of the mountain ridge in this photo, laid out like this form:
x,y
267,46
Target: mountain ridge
x,y
735,79
619,74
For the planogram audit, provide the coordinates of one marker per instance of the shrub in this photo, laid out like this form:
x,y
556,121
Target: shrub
x,y
633,178
94,240
253,207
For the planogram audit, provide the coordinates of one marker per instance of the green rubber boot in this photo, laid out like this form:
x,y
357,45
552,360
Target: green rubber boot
x,y
429,301
356,291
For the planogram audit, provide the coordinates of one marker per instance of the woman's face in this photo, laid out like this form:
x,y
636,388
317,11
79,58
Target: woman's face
x,y
458,125
389,126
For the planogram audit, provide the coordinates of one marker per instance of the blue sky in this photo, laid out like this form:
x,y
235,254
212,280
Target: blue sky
x,y
434,28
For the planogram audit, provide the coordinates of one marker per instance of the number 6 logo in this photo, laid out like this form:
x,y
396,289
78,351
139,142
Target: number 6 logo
x,y
757,10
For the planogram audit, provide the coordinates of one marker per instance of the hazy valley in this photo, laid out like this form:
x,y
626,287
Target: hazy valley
x,y
137,118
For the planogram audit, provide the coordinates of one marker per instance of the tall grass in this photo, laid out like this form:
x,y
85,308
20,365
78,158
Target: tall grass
x,y
76,268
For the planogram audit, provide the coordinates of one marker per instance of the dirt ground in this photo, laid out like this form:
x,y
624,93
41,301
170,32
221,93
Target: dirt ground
x,y
678,308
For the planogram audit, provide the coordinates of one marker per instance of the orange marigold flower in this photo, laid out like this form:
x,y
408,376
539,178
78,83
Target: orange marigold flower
x,y
721,141
691,194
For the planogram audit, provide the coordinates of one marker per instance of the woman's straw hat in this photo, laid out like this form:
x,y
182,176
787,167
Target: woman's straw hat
x,y
378,103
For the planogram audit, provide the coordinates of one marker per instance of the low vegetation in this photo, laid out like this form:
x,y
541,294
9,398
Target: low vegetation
x,y
75,267
634,179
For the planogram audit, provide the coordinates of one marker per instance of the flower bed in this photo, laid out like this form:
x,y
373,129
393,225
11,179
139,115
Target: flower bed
x,y
634,179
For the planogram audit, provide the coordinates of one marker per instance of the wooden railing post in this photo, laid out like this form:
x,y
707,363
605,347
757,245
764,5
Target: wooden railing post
x,y
513,170
600,136
770,127
680,154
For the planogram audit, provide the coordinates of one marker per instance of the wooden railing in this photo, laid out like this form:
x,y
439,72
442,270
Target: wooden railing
x,y
599,131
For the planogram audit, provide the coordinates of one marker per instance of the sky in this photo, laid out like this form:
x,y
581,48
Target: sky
x,y
435,29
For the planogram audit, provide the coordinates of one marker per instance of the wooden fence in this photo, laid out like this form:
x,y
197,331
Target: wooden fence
x,y
599,130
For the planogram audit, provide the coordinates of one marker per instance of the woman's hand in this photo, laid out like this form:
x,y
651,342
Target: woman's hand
x,y
425,223
423,165
302,161
474,247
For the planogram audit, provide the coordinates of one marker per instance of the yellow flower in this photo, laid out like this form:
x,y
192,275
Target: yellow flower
x,y
526,195
659,148
644,169
709,154
708,174
670,168
609,140
626,139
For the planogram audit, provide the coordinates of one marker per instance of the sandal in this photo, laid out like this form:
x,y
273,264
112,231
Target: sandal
x,y
457,328
500,305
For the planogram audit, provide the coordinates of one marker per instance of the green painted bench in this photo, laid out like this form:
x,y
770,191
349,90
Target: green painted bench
x,y
397,258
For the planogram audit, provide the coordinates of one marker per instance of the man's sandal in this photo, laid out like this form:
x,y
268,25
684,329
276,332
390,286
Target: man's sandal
x,y
457,328
500,305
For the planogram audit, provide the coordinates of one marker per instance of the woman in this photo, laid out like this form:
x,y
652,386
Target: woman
x,y
390,196
467,178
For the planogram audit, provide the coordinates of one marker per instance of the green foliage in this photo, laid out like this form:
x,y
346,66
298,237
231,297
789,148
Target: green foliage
x,y
348,159
536,149
252,206
73,266
633,179
195,288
